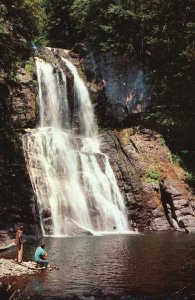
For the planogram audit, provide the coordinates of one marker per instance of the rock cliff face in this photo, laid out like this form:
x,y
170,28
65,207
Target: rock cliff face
x,y
154,188
18,112
118,85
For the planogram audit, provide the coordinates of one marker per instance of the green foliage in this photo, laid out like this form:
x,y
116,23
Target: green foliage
x,y
165,119
159,33
190,178
153,175
168,122
108,25
176,159
21,23
35,83
30,66
102,130
162,141
24,18
3,28
60,30
36,10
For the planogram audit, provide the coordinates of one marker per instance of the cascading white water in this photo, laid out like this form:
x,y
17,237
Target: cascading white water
x,y
87,125
73,181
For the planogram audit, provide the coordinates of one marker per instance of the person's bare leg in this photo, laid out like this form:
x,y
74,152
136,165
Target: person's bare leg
x,y
20,253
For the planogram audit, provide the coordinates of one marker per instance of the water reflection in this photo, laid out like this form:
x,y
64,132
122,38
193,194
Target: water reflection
x,y
155,265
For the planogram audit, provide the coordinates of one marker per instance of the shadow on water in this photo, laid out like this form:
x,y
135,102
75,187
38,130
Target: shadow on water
x,y
149,266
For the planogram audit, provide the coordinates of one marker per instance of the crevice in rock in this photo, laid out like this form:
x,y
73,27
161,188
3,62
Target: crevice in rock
x,y
120,148
134,145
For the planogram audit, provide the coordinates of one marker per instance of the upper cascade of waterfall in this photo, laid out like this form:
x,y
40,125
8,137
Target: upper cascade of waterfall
x,y
53,105
84,108
75,186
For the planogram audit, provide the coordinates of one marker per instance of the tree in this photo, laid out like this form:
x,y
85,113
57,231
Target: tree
x,y
60,29
24,18
21,23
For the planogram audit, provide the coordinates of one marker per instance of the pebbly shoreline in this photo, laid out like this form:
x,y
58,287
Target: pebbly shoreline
x,y
9,270
8,267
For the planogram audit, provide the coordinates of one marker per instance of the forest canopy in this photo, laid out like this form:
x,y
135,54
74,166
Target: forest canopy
x,y
160,34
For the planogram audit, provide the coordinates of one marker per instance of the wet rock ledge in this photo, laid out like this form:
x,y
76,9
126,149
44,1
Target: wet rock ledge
x,y
10,268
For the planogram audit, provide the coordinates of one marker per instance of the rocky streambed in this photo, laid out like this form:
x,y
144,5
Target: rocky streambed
x,y
9,271
8,267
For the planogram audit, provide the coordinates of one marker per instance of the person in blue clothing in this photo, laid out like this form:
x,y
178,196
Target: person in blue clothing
x,y
41,256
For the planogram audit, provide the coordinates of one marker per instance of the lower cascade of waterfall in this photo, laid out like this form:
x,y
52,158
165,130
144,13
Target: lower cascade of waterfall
x,y
75,186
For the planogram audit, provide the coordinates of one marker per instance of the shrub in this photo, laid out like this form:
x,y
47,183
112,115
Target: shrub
x,y
153,174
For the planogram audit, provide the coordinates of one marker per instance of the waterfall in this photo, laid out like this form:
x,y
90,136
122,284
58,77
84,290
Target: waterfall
x,y
76,189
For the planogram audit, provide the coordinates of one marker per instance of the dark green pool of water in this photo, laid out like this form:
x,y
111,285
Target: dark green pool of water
x,y
148,266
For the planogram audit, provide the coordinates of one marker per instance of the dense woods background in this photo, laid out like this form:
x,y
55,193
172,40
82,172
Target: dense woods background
x,y
159,33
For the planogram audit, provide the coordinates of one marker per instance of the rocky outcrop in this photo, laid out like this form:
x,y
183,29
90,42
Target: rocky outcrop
x,y
11,268
18,112
154,188
117,84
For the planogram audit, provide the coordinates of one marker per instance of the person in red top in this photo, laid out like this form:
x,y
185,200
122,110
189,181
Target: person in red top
x,y
19,244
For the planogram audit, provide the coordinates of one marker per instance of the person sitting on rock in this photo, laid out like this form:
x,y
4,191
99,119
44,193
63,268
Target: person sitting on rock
x,y
41,256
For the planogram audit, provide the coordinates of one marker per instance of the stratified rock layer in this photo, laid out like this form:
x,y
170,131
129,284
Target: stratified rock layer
x,y
154,187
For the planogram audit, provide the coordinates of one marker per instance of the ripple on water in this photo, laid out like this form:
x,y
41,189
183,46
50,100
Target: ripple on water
x,y
156,264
